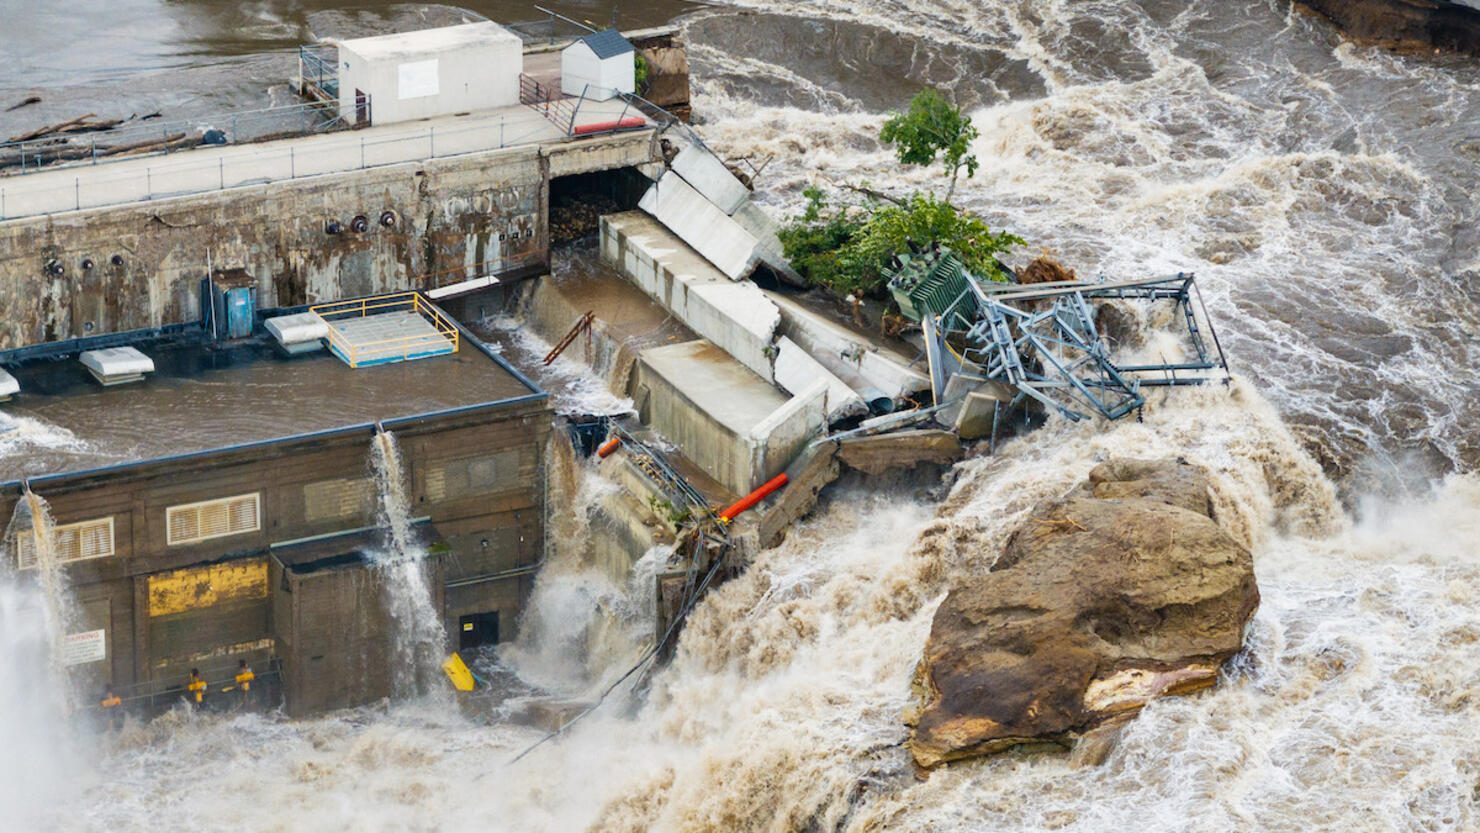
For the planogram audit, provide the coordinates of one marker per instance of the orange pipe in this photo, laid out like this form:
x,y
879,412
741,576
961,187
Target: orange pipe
x,y
754,497
600,126
608,447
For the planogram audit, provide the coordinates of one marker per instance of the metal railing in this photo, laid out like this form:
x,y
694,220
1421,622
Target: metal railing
x,y
318,70
144,138
550,29
361,353
150,698
198,173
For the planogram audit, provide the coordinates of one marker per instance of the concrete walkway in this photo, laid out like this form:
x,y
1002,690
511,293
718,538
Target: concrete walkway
x,y
214,168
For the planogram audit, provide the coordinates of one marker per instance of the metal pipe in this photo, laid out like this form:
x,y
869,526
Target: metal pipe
x,y
754,497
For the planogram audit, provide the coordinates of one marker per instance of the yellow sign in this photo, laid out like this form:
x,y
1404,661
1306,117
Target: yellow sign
x,y
196,587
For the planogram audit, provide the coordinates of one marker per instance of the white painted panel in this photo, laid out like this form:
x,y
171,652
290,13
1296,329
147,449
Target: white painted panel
x,y
417,79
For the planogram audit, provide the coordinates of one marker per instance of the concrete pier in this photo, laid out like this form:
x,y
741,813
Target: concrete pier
x,y
728,421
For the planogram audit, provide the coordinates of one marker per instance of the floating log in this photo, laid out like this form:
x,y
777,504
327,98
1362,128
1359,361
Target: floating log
x,y
27,101
170,142
51,128
89,127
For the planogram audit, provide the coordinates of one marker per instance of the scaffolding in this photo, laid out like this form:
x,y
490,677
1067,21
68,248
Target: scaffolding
x,y
1043,341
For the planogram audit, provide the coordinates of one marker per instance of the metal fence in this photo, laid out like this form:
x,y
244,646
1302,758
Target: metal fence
x,y
318,68
151,698
161,138
190,173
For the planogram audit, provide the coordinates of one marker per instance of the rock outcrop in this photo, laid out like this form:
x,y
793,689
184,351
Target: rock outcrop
x,y
1120,592
1406,24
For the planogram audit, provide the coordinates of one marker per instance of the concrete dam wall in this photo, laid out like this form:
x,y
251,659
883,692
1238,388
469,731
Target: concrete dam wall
x,y
412,225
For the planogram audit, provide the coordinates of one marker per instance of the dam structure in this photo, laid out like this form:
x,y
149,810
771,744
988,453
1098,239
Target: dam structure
x,y
380,199
243,525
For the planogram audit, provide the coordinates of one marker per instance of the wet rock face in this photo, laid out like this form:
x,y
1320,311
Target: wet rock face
x,y
1406,24
1121,591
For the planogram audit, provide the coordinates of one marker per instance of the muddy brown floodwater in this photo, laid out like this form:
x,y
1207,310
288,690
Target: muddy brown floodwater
x,y
195,58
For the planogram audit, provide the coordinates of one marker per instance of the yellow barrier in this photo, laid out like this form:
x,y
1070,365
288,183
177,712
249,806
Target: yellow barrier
x,y
385,349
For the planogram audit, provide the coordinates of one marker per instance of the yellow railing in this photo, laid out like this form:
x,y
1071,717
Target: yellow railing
x,y
402,347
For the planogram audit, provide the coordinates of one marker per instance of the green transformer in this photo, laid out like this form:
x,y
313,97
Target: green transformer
x,y
929,282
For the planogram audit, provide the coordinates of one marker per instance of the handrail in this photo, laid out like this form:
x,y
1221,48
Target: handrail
x,y
355,352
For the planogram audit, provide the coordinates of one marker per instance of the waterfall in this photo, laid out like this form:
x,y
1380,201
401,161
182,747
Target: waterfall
x,y
36,700
419,640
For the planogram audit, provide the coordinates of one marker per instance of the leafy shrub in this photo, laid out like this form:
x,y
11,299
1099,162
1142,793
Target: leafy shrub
x,y
847,250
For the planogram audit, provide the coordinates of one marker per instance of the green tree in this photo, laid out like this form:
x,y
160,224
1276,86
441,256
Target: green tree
x,y
923,218
842,251
933,127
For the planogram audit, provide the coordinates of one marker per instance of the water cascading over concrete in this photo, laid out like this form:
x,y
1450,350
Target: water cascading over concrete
x,y
418,638
36,699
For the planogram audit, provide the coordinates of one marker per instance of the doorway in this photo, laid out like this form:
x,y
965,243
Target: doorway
x,y
477,629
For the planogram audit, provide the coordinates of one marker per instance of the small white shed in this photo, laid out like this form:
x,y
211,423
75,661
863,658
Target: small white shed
x,y
600,65
433,72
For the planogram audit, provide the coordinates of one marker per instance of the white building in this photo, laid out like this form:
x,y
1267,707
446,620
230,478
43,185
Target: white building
x,y
599,65
434,72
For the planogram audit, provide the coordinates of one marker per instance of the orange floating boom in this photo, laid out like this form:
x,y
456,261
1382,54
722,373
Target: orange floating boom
x,y
608,447
753,498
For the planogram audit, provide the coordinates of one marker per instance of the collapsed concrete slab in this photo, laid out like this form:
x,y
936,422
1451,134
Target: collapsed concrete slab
x,y
769,251
700,224
706,174
796,371
865,367
736,316
728,421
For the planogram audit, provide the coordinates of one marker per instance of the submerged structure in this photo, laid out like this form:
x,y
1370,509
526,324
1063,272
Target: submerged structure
x,y
243,519
1045,341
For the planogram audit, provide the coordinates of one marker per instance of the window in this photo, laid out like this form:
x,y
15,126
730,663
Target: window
x,y
85,539
209,519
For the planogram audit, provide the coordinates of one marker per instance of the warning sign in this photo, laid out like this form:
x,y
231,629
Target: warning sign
x,y
88,646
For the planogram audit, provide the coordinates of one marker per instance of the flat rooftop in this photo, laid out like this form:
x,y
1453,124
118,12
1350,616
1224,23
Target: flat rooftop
x,y
431,42
201,398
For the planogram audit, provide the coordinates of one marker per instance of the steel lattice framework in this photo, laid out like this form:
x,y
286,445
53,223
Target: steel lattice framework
x,y
1042,340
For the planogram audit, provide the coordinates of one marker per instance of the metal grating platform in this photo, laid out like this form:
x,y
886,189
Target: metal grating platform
x,y
387,337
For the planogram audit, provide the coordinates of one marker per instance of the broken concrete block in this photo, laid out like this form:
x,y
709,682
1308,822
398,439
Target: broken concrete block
x,y
796,370
711,178
736,316
697,222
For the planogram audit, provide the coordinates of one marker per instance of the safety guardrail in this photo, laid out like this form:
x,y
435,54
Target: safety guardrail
x,y
182,174
358,353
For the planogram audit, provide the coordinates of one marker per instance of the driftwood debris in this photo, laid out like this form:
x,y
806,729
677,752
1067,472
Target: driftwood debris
x,y
81,124
63,152
50,129
172,141
25,102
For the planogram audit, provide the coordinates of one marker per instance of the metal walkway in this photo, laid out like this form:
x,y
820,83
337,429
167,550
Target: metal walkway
x,y
387,328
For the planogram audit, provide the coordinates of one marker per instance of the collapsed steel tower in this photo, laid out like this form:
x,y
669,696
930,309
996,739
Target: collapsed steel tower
x,y
1041,339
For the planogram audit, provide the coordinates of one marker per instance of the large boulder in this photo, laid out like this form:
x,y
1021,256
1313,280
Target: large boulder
x,y
1407,24
1121,591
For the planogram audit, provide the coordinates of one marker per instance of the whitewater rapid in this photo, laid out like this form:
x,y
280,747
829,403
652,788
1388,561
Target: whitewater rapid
x,y
1322,193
